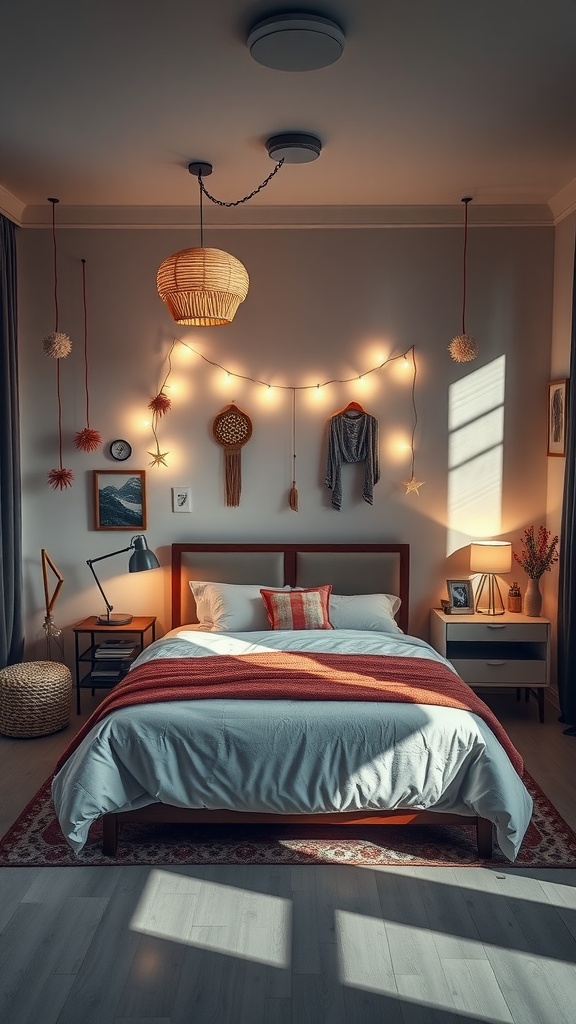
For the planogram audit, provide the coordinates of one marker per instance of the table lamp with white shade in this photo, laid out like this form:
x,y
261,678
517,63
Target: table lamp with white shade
x,y
490,558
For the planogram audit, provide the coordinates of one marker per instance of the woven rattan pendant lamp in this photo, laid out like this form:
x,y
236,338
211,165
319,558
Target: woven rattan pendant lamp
x,y
202,287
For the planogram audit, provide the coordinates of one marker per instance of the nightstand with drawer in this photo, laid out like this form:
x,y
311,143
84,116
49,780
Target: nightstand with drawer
x,y
504,651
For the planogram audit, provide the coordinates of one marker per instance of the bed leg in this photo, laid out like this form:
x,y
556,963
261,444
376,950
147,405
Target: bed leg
x,y
109,835
484,838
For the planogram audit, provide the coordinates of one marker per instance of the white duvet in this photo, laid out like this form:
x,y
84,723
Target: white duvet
x,y
291,757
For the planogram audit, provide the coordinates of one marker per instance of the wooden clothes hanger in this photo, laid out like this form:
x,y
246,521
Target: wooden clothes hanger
x,y
353,407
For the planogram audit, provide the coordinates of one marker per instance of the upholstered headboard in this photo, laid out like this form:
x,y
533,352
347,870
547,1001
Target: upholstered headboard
x,y
350,568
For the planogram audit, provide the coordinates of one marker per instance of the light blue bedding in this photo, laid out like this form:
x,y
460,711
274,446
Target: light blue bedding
x,y
289,756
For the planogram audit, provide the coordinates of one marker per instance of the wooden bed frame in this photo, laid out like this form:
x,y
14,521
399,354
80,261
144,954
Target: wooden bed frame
x,y
352,569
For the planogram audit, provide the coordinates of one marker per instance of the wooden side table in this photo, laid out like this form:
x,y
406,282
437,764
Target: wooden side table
x,y
496,651
85,658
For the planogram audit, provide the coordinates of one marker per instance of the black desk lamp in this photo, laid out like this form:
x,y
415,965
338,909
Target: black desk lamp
x,y
140,560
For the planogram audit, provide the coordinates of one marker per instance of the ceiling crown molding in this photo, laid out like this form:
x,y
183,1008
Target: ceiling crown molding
x,y
288,217
564,202
11,207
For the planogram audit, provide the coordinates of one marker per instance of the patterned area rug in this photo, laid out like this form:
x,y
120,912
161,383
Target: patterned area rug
x,y
36,840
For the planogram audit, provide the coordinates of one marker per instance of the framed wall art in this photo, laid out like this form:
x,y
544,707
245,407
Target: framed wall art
x,y
460,596
181,499
557,410
119,499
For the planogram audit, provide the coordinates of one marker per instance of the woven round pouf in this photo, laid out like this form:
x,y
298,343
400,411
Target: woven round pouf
x,y
35,698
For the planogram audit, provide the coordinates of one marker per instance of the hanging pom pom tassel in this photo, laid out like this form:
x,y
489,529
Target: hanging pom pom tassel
x,y
160,404
61,478
463,348
293,496
57,345
87,440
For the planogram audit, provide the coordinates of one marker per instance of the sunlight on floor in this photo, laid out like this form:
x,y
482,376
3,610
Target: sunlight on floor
x,y
221,918
365,963
475,455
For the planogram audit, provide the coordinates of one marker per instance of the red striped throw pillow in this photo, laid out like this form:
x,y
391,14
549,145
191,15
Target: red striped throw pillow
x,y
298,609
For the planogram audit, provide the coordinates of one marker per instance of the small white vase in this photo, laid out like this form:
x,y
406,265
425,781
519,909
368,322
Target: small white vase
x,y
533,598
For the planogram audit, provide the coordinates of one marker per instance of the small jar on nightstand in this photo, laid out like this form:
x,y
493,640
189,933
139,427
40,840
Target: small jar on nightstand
x,y
514,598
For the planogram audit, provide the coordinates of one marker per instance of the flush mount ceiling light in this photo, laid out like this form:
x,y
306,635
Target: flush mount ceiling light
x,y
294,147
296,41
203,287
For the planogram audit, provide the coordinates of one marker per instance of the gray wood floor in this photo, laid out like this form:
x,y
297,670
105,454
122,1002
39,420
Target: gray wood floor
x,y
280,945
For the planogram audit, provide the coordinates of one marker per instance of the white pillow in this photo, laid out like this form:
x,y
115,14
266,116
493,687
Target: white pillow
x,y
230,607
364,611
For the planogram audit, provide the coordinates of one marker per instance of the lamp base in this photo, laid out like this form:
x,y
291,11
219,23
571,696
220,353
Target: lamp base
x,y
114,620
495,602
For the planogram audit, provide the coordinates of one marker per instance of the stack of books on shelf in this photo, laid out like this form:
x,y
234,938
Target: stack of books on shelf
x,y
112,658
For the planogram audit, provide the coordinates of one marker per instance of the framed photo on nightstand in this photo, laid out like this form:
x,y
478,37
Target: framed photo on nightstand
x,y
460,596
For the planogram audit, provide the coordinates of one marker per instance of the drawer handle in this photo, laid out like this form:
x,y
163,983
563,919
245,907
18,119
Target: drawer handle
x,y
496,663
496,625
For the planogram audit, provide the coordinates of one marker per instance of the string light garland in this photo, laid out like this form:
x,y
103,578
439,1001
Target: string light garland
x,y
463,347
159,458
86,440
57,345
413,485
159,406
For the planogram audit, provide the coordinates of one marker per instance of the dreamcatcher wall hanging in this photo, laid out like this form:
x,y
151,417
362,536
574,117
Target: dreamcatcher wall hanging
x,y
57,346
86,440
232,429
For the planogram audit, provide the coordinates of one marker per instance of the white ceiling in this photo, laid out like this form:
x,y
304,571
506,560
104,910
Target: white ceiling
x,y
103,103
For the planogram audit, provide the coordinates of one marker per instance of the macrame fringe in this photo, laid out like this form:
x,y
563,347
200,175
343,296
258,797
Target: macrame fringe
x,y
233,473
293,499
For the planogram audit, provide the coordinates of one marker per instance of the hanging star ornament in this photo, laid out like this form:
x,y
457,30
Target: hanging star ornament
x,y
158,458
413,485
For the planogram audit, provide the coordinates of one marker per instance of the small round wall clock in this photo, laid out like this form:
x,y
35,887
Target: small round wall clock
x,y
120,450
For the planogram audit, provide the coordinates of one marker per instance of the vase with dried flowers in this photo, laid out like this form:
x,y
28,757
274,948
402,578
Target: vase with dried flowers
x,y
538,554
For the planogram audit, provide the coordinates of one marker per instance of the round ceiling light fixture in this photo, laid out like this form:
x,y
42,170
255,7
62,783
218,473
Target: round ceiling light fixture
x,y
296,41
294,147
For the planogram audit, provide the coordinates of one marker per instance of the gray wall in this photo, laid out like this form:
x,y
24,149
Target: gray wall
x,y
323,304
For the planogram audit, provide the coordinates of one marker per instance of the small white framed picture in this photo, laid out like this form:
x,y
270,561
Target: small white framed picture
x,y
181,499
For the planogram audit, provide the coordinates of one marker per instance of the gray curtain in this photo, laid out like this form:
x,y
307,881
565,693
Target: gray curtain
x,y
567,564
11,613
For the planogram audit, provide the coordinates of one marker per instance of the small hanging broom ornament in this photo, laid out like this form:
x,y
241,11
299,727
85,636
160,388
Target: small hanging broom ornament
x,y
463,347
86,440
57,346
293,495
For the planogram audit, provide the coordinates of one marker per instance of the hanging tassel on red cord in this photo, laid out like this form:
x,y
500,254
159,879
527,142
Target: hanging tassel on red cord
x,y
293,495
57,346
86,440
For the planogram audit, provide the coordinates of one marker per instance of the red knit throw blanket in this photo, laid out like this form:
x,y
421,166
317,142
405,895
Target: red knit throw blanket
x,y
296,676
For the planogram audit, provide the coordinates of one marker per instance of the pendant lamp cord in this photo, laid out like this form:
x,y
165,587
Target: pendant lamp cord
x,y
236,202
85,343
464,259
201,212
54,201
